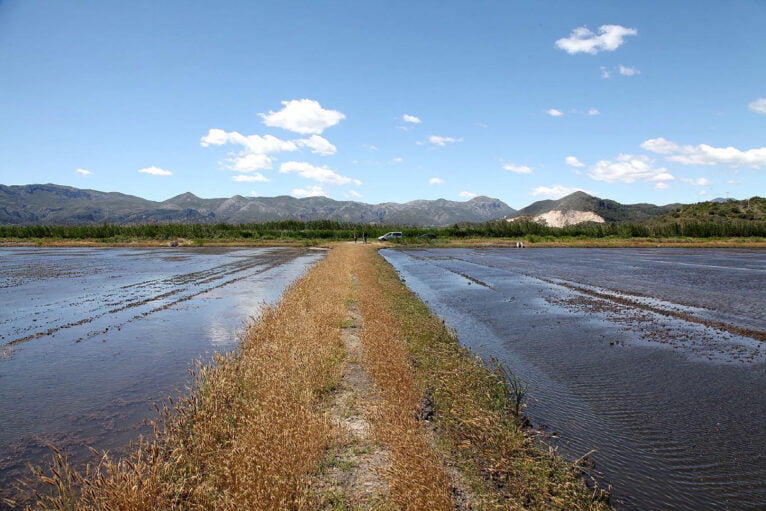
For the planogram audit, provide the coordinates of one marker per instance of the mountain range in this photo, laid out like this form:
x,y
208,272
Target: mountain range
x,y
65,205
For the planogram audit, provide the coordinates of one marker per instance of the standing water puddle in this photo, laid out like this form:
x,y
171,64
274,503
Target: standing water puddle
x,y
90,338
653,357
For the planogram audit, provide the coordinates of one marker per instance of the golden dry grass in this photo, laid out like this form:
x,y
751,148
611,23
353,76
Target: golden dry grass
x,y
417,478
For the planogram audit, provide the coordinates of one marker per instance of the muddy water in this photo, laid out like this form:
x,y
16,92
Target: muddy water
x,y
89,338
654,357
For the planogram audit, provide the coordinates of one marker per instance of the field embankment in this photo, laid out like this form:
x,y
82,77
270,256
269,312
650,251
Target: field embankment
x,y
348,394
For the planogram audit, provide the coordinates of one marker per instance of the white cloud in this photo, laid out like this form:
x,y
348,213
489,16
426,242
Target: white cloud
x,y
554,113
248,162
370,147
267,144
436,181
628,71
318,145
605,74
593,111
660,145
702,192
734,181
303,116
758,106
354,193
256,149
83,172
662,185
442,141
482,125
583,40
411,119
321,174
572,161
398,159
663,176
251,178
155,171
314,191
253,193
467,195
554,192
518,169
628,168
704,154
696,182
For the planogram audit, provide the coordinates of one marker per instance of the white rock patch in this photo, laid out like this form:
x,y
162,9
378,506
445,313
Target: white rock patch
x,y
558,218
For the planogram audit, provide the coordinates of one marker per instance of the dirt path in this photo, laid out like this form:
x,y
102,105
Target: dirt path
x,y
353,477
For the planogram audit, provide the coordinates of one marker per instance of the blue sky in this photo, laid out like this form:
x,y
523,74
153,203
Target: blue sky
x,y
635,101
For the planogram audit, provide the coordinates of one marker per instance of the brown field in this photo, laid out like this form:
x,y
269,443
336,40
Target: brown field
x,y
348,394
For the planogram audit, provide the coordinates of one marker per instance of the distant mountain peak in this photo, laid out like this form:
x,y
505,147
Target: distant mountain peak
x,y
183,198
581,203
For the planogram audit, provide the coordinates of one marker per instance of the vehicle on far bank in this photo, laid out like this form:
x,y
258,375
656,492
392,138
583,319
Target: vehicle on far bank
x,y
390,236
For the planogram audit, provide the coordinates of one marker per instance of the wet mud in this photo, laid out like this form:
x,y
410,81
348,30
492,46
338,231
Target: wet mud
x,y
655,358
91,338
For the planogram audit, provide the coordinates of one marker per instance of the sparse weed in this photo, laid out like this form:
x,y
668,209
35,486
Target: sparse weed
x,y
514,388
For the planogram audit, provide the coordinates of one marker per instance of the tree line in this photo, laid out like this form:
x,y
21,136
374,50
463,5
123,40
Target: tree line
x,y
332,230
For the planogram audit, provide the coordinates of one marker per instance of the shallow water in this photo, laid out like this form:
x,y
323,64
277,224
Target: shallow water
x,y
654,357
90,338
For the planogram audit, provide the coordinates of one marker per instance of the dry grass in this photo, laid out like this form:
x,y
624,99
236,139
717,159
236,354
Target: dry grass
x,y
417,478
250,433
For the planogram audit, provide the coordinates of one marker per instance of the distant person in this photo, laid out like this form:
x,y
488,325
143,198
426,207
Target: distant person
x,y
355,237
364,237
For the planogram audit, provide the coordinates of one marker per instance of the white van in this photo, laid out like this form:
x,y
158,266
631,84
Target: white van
x,y
390,236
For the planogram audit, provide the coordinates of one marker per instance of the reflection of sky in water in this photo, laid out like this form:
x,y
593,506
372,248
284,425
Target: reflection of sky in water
x,y
220,334
121,340
672,429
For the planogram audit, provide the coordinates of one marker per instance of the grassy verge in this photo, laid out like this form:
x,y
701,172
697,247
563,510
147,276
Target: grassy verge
x,y
473,413
417,477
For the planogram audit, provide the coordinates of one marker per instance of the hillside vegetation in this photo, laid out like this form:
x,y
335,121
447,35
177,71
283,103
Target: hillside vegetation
x,y
609,210
749,210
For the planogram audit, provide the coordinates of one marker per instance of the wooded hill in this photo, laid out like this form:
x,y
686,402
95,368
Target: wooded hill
x,y
720,211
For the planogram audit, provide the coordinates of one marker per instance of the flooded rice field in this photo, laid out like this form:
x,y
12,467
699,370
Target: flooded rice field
x,y
653,357
90,337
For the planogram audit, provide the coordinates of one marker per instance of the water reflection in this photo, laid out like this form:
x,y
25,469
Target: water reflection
x,y
674,403
90,338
